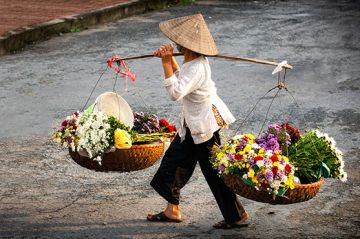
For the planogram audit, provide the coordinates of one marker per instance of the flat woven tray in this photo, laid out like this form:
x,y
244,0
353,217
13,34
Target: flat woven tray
x,y
301,192
123,160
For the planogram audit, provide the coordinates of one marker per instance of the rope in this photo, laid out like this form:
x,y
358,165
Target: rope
x,y
87,101
267,112
247,116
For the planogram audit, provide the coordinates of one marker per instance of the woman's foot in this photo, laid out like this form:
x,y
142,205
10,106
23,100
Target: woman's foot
x,y
244,217
240,223
171,213
161,217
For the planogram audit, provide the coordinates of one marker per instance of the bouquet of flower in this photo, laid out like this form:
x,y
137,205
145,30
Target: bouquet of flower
x,y
275,138
315,154
263,169
146,123
149,128
94,134
66,134
279,158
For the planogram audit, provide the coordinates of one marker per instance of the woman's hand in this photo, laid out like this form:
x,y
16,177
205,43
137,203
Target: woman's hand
x,y
165,52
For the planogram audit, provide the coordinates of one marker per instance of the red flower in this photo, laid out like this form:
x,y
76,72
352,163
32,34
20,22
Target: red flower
x,y
288,168
274,169
274,158
293,132
264,185
64,123
171,128
74,127
238,156
257,158
163,122
76,114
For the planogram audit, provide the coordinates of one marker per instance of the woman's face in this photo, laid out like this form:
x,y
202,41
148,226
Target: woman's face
x,y
179,48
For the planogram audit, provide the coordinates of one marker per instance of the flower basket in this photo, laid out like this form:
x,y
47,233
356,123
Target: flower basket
x,y
301,192
123,160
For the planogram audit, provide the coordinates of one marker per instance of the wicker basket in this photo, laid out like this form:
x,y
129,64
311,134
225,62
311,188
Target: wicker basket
x,y
301,192
123,160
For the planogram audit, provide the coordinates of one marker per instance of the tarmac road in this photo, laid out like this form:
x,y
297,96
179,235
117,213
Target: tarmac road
x,y
44,194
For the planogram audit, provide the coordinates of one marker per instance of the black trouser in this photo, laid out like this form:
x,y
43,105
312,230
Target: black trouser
x,y
178,165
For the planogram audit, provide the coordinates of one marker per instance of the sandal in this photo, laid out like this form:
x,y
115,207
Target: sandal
x,y
161,217
224,225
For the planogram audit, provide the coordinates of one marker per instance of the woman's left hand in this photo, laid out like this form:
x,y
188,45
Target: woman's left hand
x,y
165,52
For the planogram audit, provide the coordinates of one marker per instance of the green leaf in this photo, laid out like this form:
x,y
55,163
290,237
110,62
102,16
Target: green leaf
x,y
323,171
282,191
248,182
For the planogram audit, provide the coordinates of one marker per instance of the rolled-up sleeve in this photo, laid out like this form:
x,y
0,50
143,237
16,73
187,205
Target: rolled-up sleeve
x,y
182,83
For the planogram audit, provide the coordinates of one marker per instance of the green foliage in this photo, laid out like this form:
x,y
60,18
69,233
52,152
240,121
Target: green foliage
x,y
116,124
75,29
308,154
186,2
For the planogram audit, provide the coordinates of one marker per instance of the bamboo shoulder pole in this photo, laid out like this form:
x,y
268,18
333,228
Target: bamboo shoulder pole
x,y
225,57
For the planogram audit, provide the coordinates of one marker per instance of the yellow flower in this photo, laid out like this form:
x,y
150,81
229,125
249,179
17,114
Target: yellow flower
x,y
261,151
276,152
247,148
248,165
254,179
224,161
292,186
286,158
122,139
276,163
250,137
290,181
251,173
220,155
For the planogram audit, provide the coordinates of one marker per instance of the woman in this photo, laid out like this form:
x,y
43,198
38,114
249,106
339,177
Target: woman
x,y
203,114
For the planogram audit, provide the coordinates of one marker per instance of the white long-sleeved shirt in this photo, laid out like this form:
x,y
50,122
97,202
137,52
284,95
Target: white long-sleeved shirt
x,y
193,87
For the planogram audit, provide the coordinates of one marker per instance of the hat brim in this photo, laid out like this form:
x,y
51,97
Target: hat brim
x,y
190,32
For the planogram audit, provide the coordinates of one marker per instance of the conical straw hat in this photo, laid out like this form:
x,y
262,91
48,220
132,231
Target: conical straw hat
x,y
113,104
190,32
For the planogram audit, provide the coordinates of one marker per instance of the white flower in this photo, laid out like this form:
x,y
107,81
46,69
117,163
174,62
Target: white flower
x,y
237,137
92,131
268,153
343,177
260,163
284,179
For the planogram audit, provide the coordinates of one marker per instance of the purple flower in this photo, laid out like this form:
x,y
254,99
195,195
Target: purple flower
x,y
69,140
242,145
146,123
221,168
230,157
269,175
278,175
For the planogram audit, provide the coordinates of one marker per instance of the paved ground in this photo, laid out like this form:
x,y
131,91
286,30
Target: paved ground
x,y
19,13
43,194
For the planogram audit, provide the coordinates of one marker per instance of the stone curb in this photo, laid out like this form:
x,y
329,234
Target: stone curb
x,y
19,38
